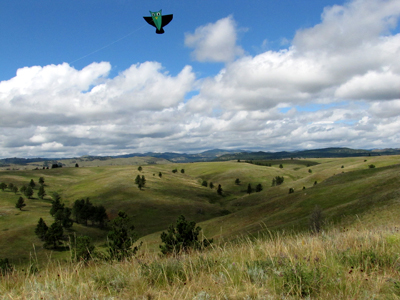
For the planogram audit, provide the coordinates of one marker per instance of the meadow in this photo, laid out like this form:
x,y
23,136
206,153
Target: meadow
x,y
262,246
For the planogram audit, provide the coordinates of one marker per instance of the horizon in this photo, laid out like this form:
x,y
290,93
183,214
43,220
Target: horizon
x,y
194,153
92,78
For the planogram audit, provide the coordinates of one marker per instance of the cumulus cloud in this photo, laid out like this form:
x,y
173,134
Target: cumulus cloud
x,y
347,66
215,42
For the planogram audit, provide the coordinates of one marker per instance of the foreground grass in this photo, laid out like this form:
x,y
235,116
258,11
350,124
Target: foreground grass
x,y
357,262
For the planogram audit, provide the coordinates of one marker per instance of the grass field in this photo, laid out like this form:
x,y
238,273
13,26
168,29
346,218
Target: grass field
x,y
342,192
262,248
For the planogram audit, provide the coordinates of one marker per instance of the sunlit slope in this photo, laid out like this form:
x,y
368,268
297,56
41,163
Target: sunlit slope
x,y
164,198
342,195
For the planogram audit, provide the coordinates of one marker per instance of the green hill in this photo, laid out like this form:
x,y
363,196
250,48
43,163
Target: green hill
x,y
357,190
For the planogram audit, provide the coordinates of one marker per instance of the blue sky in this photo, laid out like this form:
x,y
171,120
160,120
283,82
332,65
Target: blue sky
x,y
92,77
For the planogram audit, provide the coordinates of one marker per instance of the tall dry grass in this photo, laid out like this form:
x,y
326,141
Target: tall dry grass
x,y
359,262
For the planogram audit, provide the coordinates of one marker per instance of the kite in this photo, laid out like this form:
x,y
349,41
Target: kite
x,y
158,20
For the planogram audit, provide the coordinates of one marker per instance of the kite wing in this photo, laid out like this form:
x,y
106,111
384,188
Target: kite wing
x,y
150,21
166,19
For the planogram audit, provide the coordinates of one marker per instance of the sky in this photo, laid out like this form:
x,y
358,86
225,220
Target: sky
x,y
93,78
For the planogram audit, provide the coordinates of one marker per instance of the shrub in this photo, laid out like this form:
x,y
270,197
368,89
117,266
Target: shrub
x,y
182,237
371,166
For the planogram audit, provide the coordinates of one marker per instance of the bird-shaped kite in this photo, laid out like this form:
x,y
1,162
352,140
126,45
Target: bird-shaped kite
x,y
158,20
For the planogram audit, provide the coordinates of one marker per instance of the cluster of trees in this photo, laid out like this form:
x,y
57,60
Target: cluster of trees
x,y
28,191
259,186
211,185
140,181
277,180
84,211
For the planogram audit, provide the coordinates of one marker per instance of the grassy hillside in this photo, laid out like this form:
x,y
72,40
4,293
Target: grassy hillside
x,y
356,262
163,199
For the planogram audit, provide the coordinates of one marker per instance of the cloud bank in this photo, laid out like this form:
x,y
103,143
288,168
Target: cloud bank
x,y
337,84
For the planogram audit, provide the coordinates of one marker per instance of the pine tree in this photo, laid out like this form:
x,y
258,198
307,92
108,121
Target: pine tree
x,y
32,184
28,192
121,237
219,190
249,189
41,229
137,179
15,189
182,238
41,180
20,203
3,186
259,188
54,235
237,181
41,192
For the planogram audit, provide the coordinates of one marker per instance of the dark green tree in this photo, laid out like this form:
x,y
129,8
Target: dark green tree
x,y
41,192
140,169
137,179
160,174
76,165
219,190
100,215
291,190
23,189
281,166
15,189
54,235
28,192
82,248
204,183
32,184
143,180
237,181
10,186
41,229
56,204
121,237
211,185
309,171
249,189
20,203
182,237
259,187
64,217
3,186
182,171
174,170
277,180
41,180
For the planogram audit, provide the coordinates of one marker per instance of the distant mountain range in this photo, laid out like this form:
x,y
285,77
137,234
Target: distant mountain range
x,y
224,155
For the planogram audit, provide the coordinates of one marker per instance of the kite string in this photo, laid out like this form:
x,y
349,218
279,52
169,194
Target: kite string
x,y
116,41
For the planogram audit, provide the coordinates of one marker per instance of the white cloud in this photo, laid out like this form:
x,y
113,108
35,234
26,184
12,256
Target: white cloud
x,y
349,63
215,42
